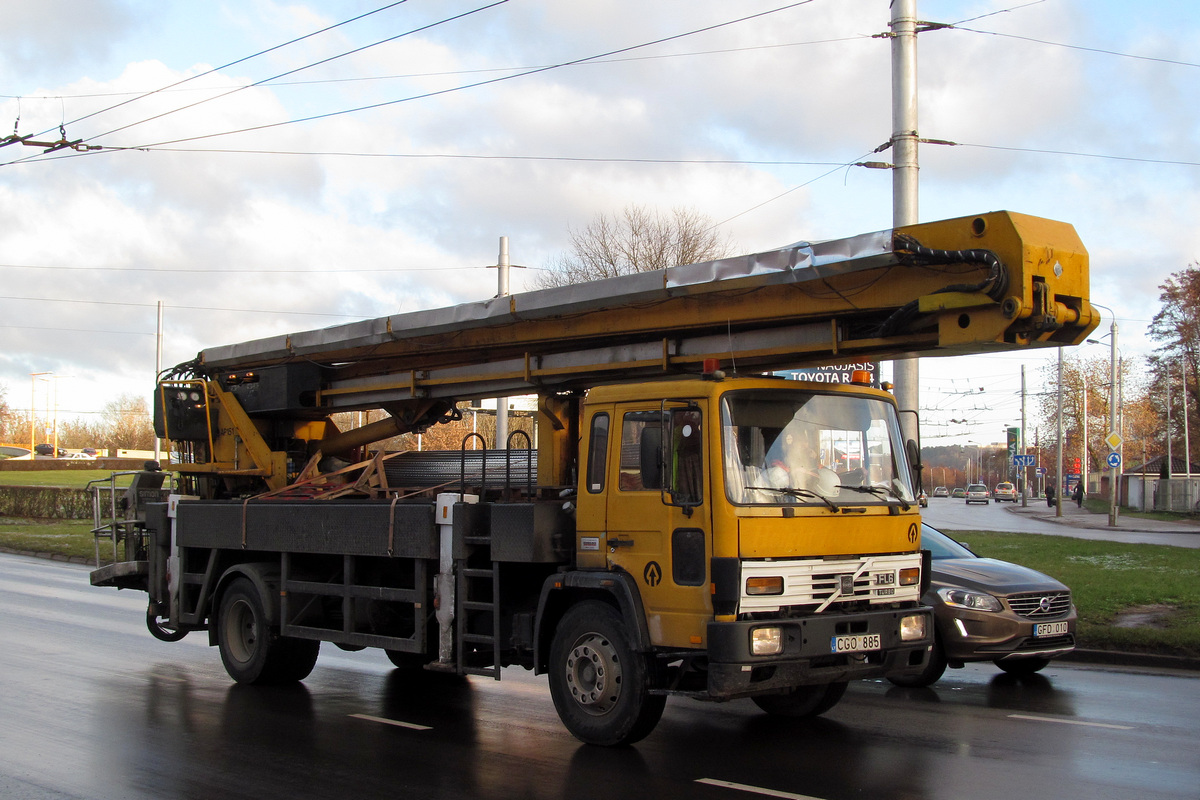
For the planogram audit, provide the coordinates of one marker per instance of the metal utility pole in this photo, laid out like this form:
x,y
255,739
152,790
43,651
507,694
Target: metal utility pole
x,y
1058,481
502,265
158,353
906,372
1024,469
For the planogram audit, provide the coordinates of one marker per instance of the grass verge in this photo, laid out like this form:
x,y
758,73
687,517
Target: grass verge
x,y
64,478
1108,578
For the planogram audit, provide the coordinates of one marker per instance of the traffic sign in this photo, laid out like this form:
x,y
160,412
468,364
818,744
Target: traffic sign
x,y
1113,440
1026,460
1114,460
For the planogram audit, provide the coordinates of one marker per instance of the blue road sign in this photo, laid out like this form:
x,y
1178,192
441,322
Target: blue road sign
x,y
1114,460
1026,460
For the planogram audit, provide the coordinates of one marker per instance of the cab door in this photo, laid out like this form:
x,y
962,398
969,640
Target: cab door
x,y
659,521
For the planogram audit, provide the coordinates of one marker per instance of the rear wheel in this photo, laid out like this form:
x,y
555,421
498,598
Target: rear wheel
x,y
1023,666
250,651
600,685
802,701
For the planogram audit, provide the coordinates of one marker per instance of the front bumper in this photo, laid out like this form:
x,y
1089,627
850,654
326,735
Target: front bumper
x,y
998,636
807,657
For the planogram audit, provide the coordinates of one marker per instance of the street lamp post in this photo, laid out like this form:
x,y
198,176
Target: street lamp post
x,y
1113,400
33,376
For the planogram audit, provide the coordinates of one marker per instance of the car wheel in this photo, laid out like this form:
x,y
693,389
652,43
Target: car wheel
x,y
1023,666
934,669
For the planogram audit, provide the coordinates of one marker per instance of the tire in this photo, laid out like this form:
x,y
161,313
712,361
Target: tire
x,y
802,701
934,669
600,686
1023,666
409,661
250,651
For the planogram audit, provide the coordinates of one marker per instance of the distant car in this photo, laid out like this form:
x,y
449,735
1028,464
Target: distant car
x,y
923,499
990,610
91,451
958,492
79,457
977,493
941,491
1005,491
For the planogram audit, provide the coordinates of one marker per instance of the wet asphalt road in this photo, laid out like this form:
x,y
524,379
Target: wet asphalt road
x,y
95,708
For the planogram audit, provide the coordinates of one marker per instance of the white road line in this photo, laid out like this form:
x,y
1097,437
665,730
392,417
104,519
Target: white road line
x,y
1072,722
396,722
741,787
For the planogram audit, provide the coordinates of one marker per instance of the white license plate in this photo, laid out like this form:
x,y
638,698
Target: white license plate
x,y
1050,629
855,644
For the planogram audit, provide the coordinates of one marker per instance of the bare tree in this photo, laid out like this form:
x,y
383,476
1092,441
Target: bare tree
x,y
125,424
637,240
5,412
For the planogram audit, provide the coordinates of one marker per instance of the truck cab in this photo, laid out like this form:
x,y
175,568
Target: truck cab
x,y
769,528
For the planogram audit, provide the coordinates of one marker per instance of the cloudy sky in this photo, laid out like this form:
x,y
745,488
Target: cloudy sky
x,y
264,168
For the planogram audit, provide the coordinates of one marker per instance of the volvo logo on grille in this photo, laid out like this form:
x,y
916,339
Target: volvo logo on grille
x,y
1044,605
847,584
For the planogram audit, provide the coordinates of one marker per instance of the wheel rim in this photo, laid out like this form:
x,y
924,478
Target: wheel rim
x,y
593,673
241,631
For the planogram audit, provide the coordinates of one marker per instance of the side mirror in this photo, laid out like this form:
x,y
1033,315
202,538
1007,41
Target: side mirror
x,y
914,461
683,459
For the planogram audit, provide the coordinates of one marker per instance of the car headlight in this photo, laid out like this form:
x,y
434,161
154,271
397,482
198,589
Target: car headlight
x,y
962,598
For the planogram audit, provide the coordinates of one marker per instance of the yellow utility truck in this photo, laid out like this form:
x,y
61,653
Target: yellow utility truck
x,y
681,522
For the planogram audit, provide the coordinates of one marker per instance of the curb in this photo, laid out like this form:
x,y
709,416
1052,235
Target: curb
x,y
1116,658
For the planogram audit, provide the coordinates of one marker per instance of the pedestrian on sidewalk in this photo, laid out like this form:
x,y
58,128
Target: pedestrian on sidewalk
x,y
1050,496
1078,495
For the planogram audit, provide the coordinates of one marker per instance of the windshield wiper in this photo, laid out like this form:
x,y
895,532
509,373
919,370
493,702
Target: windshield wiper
x,y
879,491
794,493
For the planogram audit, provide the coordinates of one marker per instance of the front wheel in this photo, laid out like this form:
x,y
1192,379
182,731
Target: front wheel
x,y
600,685
250,651
934,668
802,701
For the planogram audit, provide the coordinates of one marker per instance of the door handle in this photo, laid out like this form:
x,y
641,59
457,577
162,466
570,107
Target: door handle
x,y
615,543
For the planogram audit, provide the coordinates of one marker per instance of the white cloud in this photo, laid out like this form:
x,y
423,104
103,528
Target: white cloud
x,y
774,94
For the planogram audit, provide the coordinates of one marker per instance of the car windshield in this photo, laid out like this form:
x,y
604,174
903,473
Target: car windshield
x,y
977,487
941,546
791,446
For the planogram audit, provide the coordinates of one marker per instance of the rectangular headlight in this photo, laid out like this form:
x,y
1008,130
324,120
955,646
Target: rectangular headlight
x,y
912,628
766,641
772,585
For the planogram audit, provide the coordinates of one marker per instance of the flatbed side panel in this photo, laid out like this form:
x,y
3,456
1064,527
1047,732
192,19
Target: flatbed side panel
x,y
362,528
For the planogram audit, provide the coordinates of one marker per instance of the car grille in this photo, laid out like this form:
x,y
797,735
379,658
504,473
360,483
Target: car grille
x,y
1040,605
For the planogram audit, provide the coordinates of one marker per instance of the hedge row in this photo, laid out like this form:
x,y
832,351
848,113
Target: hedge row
x,y
45,502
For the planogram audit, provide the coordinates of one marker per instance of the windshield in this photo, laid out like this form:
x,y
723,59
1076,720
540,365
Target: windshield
x,y
788,446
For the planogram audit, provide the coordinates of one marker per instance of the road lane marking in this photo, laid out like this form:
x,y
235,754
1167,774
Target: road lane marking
x,y
396,722
1072,722
742,787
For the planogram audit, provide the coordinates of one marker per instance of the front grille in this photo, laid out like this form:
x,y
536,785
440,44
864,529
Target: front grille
x,y
1040,605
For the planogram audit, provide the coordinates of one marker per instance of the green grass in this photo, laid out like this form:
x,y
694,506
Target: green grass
x,y
1109,577
63,478
54,536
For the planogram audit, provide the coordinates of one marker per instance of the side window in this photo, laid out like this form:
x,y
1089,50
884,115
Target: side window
x,y
641,451
597,453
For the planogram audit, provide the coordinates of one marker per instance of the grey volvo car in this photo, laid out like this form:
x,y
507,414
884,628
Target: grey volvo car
x,y
991,610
